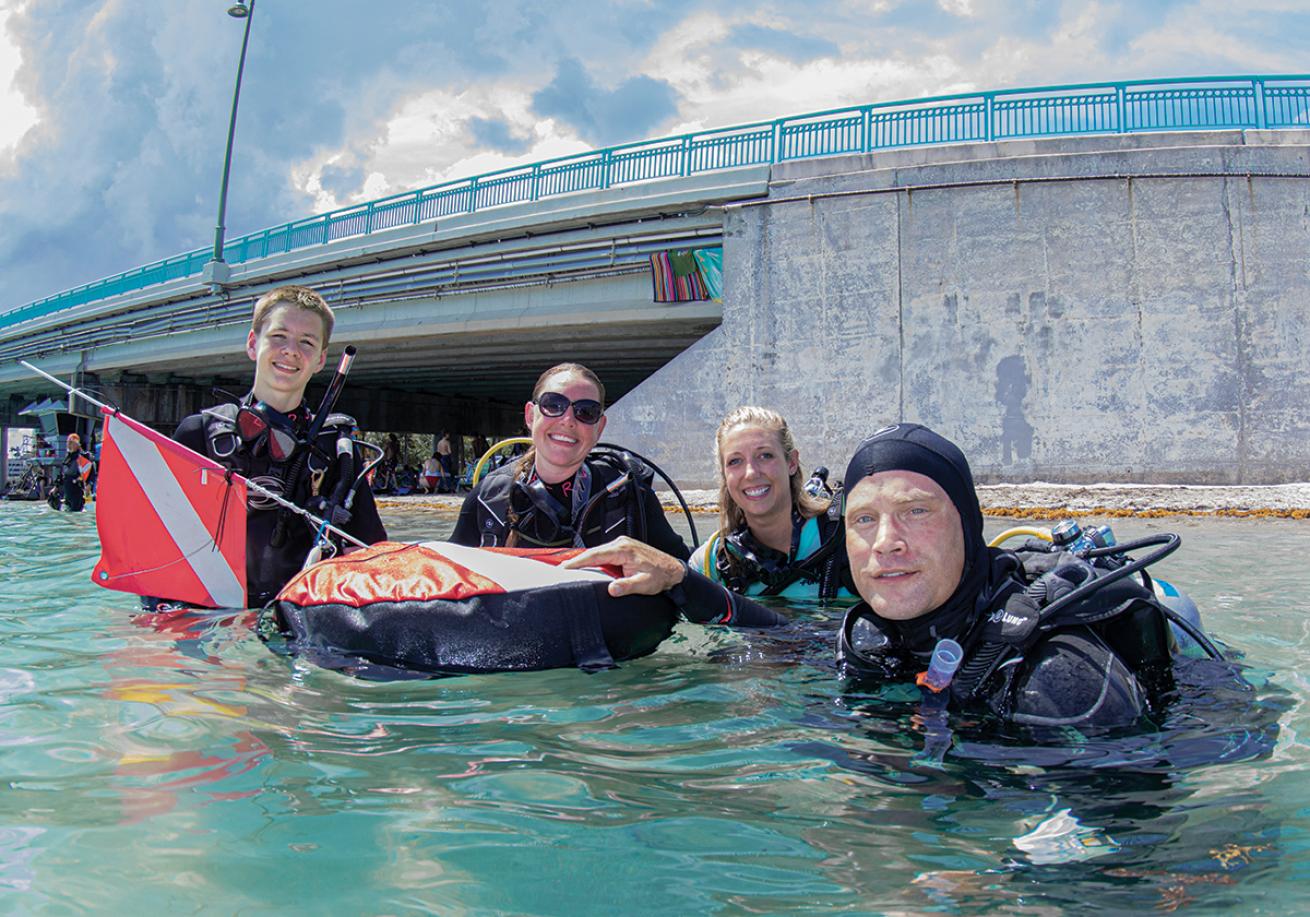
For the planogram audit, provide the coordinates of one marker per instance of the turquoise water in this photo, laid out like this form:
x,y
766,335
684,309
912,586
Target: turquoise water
x,y
175,765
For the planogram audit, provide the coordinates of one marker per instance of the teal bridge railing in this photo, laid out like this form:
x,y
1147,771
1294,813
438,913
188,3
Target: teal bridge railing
x,y
1193,103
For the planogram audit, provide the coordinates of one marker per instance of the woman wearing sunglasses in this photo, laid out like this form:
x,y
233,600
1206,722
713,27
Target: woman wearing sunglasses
x,y
774,538
561,493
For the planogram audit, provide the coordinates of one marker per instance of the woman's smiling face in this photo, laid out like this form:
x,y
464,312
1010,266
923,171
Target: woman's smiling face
x,y
757,471
562,443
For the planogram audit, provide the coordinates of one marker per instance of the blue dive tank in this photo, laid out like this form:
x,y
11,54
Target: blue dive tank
x,y
1070,536
1182,603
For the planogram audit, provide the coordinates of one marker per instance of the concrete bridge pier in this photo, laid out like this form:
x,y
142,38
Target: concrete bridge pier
x,y
1123,309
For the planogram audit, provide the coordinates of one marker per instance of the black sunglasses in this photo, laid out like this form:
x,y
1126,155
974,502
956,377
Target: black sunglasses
x,y
553,404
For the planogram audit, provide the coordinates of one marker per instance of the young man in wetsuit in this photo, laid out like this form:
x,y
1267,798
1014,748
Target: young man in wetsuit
x,y
288,342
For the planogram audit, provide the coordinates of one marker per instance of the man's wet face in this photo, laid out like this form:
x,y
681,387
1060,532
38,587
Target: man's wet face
x,y
905,543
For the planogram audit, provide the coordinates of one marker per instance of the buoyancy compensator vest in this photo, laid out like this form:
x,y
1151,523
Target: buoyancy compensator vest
x,y
1054,639
814,567
605,499
319,476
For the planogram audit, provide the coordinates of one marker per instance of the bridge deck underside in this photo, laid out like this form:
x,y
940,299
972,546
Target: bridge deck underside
x,y
498,366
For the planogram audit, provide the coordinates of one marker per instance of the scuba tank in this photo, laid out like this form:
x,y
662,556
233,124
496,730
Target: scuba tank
x,y
1186,619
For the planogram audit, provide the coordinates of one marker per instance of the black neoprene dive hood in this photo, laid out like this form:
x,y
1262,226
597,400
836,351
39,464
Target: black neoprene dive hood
x,y
913,447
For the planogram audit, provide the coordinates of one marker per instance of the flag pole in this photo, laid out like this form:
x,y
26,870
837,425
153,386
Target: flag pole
x,y
251,485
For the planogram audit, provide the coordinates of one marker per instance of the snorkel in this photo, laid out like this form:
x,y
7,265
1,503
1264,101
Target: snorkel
x,y
334,510
333,392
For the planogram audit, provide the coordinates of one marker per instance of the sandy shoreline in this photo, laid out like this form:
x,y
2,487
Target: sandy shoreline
x,y
1045,501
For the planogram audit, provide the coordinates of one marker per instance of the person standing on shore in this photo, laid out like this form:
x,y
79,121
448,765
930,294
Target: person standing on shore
x,y
76,474
444,454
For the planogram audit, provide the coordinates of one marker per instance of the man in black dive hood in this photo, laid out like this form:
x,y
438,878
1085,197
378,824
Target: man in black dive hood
x,y
925,573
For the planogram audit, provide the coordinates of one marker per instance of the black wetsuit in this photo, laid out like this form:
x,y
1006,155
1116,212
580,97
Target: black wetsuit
x,y
1032,654
500,504
1106,660
273,558
71,483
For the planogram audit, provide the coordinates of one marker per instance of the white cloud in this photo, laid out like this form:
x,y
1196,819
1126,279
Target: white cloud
x,y
957,7
17,117
426,141
124,115
756,85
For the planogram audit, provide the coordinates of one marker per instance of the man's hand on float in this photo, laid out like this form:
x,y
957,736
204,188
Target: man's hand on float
x,y
646,570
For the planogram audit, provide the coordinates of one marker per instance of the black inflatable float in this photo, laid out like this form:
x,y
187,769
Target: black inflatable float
x,y
396,610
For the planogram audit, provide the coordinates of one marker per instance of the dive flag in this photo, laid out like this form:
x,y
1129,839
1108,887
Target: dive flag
x,y
172,522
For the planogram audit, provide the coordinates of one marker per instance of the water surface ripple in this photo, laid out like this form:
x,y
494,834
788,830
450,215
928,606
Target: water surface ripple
x,y
172,763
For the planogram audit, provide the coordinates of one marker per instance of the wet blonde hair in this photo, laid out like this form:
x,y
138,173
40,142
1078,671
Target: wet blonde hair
x,y
731,516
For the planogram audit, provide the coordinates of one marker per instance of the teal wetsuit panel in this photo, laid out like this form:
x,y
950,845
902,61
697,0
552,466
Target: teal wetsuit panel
x,y
810,541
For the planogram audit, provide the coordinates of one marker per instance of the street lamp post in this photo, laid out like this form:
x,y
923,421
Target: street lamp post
x,y
217,272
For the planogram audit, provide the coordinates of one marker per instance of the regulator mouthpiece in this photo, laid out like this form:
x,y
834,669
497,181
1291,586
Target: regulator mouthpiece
x,y
946,658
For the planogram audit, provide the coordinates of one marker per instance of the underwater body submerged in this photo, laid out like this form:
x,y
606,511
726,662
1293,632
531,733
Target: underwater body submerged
x,y
433,609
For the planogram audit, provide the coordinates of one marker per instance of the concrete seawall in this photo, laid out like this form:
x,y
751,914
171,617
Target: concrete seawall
x,y
1126,309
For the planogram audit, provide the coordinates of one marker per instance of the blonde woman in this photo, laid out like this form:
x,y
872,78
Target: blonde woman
x,y
774,538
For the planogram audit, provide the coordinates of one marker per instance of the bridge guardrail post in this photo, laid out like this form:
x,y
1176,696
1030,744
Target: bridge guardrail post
x,y
1120,109
473,194
989,112
1261,117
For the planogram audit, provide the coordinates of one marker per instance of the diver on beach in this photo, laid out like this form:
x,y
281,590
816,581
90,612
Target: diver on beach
x,y
272,437
1041,637
817,485
774,536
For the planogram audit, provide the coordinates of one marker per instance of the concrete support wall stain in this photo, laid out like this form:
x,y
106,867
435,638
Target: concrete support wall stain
x,y
1142,321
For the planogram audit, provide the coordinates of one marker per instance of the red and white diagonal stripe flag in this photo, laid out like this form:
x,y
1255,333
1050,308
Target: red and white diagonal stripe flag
x,y
172,522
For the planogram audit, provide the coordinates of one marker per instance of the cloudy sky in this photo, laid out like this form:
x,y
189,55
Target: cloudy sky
x,y
113,113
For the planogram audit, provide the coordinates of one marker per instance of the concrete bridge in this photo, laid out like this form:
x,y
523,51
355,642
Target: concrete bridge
x,y
454,319
1119,307
1127,309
